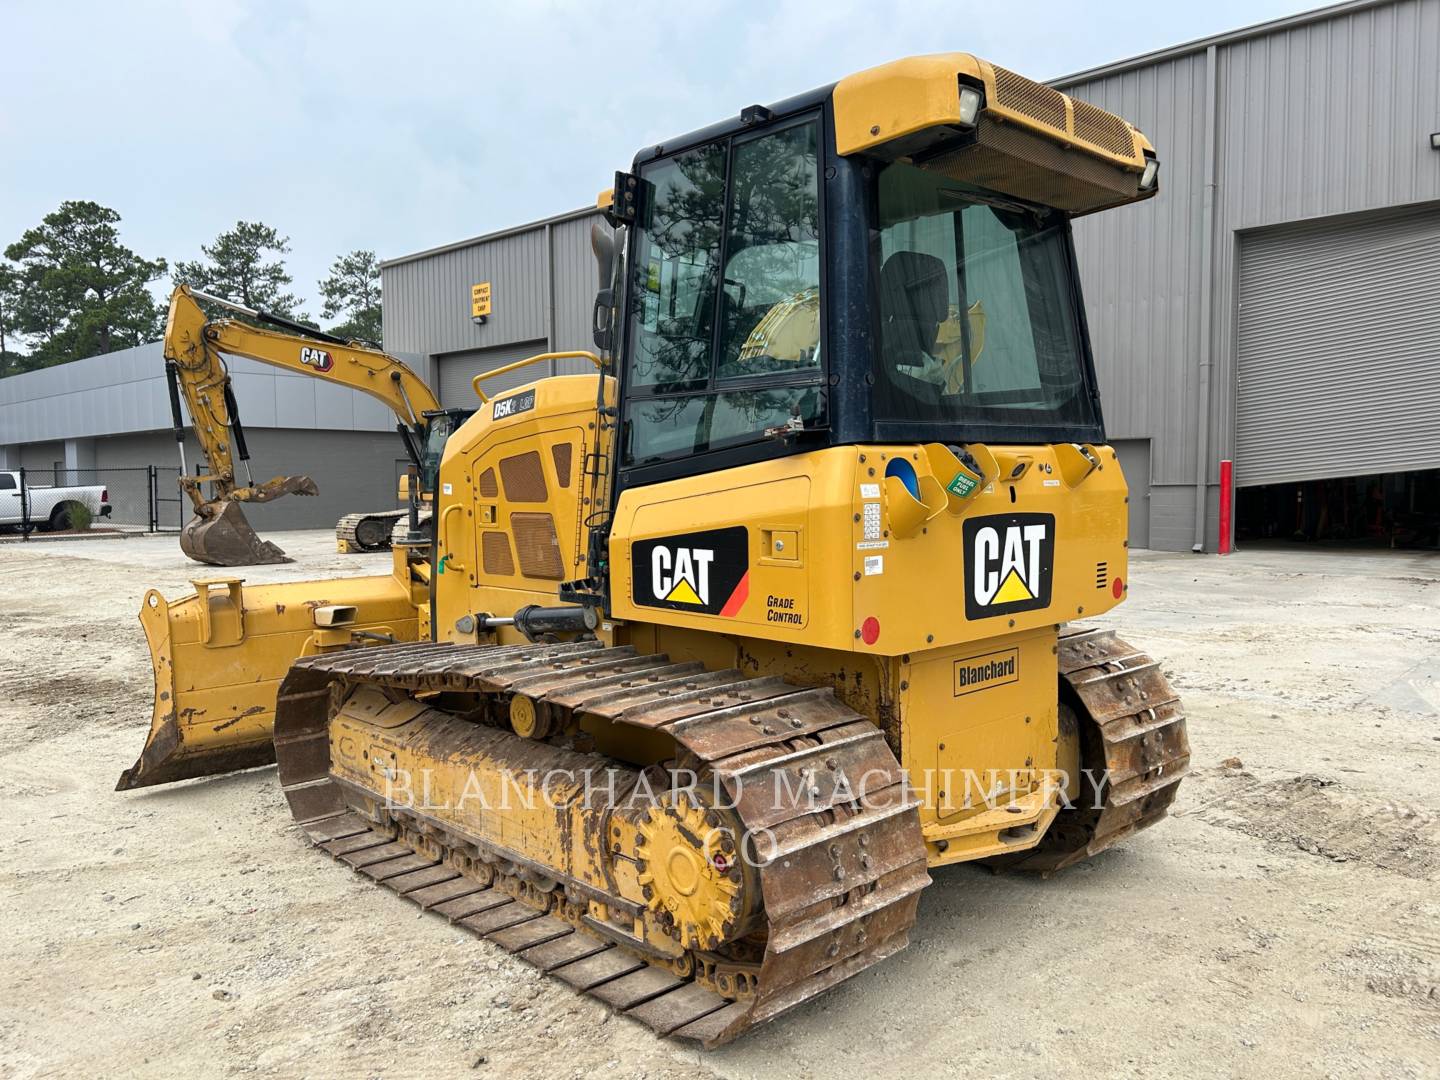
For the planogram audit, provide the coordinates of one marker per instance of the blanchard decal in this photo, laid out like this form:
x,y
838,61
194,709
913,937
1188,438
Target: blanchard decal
x,y
1009,559
511,405
705,572
318,359
982,672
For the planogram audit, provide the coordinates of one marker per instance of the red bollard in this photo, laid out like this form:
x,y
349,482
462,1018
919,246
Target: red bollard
x,y
1227,497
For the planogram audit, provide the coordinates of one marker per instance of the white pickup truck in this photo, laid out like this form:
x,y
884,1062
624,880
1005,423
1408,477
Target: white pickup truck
x,y
50,507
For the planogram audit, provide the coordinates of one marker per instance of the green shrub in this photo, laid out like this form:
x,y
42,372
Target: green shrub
x,y
79,515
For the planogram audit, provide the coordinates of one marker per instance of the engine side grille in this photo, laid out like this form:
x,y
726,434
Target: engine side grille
x,y
495,554
524,478
537,546
562,453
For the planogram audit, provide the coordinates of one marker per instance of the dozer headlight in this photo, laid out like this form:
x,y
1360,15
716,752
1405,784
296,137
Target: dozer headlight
x,y
969,105
1151,173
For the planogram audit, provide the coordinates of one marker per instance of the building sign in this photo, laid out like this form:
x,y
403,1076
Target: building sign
x,y
480,300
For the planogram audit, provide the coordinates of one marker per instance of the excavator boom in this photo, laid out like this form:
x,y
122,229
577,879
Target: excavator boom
x,y
195,350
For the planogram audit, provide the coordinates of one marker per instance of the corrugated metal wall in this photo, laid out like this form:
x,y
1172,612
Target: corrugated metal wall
x,y
542,280
1327,117
456,373
1140,271
354,470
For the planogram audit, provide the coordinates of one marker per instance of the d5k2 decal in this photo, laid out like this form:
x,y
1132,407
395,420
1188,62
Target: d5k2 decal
x,y
704,572
1009,559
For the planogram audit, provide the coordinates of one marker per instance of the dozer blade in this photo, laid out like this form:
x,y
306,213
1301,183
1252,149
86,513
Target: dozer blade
x,y
226,539
219,654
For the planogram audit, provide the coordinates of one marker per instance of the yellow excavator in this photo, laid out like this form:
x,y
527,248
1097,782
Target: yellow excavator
x,y
720,649
195,349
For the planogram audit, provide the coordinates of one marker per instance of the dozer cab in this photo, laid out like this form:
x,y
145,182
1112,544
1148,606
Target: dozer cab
x,y
726,644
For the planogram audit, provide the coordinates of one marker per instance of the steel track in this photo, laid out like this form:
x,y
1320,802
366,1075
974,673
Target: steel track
x,y
840,882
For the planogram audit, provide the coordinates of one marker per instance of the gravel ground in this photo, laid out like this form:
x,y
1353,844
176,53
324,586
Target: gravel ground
x,y
1285,921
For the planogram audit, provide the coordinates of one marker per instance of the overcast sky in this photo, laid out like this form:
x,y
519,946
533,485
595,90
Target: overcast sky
x,y
400,126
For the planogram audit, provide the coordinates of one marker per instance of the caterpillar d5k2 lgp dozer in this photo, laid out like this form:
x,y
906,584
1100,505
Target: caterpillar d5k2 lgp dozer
x,y
732,640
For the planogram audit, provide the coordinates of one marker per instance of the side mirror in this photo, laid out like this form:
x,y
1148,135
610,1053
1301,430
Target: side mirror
x,y
607,246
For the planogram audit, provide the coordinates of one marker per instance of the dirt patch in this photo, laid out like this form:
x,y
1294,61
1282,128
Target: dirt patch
x,y
1282,923
1318,816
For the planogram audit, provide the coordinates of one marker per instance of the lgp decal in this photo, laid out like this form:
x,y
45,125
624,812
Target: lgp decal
x,y
318,359
704,572
511,405
1009,560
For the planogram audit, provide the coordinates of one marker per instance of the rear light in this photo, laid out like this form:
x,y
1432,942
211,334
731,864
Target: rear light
x,y
104,494
1118,588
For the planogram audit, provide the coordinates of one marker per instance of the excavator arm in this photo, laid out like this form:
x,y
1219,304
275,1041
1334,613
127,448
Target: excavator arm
x,y
195,350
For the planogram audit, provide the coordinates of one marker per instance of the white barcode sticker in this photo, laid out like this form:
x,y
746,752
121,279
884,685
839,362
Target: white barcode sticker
x,y
874,564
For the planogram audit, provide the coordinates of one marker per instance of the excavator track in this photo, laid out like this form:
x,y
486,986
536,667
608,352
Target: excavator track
x,y
378,531
1132,733
839,880
368,532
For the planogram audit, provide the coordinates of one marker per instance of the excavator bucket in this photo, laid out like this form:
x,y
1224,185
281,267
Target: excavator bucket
x,y
220,535
219,654
226,539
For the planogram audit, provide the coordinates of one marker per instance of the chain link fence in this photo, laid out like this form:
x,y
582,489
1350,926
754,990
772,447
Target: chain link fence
x,y
142,498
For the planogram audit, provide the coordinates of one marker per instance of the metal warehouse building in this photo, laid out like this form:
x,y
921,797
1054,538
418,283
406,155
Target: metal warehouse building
x,y
1278,304
540,279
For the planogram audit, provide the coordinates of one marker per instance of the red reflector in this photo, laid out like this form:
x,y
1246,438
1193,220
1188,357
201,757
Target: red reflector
x,y
104,494
870,630
1118,588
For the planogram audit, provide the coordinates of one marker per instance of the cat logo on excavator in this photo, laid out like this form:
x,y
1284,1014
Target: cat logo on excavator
x,y
318,359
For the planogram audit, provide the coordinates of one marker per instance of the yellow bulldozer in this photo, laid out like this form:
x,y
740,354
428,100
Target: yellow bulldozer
x,y
719,649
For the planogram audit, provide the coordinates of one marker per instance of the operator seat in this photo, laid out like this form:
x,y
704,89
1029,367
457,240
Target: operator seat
x,y
914,301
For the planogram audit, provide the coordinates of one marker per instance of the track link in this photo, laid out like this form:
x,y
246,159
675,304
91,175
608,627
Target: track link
x,y
1132,731
840,882
368,532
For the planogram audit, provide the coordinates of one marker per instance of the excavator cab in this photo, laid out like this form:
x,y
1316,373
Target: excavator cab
x,y
440,424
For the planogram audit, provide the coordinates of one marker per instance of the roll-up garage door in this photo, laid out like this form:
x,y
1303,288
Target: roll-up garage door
x,y
1339,349
457,369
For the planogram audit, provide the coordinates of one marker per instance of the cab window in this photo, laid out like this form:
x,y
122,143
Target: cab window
x,y
726,296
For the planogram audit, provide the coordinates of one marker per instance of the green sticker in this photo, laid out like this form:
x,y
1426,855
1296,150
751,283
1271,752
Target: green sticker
x,y
962,485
